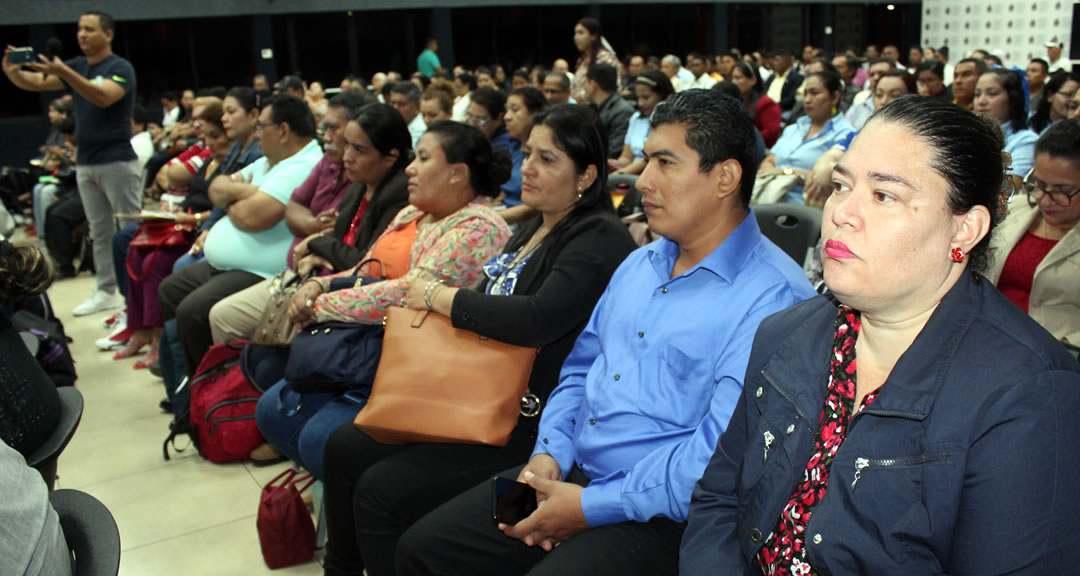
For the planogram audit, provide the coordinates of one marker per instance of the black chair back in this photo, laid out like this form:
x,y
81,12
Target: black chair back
x,y
90,531
792,227
44,458
632,201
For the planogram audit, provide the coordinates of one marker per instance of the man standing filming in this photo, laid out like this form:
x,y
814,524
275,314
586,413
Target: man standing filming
x,y
107,170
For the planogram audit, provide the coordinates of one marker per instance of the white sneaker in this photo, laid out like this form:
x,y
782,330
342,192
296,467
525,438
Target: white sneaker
x,y
118,319
99,302
116,339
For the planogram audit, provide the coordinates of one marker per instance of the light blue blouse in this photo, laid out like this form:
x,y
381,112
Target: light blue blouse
x,y
636,134
1020,144
793,150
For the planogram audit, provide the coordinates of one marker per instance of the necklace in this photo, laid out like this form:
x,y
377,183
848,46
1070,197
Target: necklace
x,y
529,246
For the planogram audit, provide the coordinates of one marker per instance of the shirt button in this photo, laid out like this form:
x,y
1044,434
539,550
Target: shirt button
x,y
759,392
574,422
663,290
640,334
755,535
545,440
790,429
592,421
817,538
616,377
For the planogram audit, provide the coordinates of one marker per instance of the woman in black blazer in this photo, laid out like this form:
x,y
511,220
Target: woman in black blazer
x,y
538,293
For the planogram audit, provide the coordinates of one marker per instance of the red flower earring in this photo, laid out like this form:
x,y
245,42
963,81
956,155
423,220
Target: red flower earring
x,y
958,254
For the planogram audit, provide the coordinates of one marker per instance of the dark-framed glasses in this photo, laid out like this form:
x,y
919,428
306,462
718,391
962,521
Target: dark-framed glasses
x,y
1036,189
476,120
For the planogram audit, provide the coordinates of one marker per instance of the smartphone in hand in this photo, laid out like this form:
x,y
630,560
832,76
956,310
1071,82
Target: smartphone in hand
x,y
20,56
511,501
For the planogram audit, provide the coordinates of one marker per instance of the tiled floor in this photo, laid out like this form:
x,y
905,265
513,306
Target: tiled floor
x,y
181,517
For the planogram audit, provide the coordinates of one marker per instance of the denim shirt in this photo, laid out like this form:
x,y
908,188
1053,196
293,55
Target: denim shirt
x,y
964,464
652,381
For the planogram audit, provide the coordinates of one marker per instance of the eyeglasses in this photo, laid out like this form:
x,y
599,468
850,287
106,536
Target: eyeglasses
x,y
263,126
1036,189
476,120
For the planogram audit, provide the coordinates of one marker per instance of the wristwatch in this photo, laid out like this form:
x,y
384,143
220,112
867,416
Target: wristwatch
x,y
198,218
788,171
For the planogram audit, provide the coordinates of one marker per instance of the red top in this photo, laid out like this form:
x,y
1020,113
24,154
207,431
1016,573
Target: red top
x,y
784,552
1019,271
767,120
350,235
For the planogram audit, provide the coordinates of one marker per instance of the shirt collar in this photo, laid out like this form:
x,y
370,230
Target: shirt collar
x,y
725,261
1007,129
804,124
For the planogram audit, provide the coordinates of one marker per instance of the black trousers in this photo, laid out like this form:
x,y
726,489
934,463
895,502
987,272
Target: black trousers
x,y
461,538
188,296
374,492
61,218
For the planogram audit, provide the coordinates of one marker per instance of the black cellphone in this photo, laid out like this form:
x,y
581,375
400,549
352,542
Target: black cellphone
x,y
21,55
511,501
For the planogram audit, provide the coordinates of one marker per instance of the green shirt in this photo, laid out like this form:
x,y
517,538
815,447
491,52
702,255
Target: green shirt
x,y
427,63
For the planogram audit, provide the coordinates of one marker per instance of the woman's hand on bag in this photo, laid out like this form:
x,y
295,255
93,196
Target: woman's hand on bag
x,y
415,297
301,249
197,247
302,305
305,265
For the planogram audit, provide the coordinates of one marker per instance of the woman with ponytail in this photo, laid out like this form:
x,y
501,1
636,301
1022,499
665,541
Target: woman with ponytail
x,y
538,293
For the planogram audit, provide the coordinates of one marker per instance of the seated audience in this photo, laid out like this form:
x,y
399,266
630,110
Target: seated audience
x,y
464,84
958,406
1038,72
405,98
697,64
601,91
1037,250
316,100
649,385
671,66
521,106
485,77
437,102
783,82
520,79
1053,103
651,87
312,211
965,75
252,241
999,94
931,77
915,58
556,88
455,234
538,292
803,142
594,48
57,157
863,104
847,65
764,111
486,112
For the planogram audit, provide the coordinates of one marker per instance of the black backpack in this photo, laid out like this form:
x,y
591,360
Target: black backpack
x,y
51,343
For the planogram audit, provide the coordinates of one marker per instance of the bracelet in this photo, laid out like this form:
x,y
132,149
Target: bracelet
x,y
428,290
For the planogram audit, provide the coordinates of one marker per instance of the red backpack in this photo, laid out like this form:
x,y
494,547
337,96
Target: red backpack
x,y
223,405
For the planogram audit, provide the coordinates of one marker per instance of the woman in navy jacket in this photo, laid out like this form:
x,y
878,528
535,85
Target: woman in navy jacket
x,y
915,421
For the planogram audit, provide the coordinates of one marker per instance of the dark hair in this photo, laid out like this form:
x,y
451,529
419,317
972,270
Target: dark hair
x,y
412,91
935,66
492,100
579,132
593,26
484,70
138,114
387,131
424,80
245,97
104,20
967,153
826,65
1043,63
851,62
67,125
909,80
717,128
652,59
830,79
943,50
218,92
62,105
1014,89
992,59
1062,140
756,92
563,79
605,76
728,88
288,109
350,100
442,92
25,272
889,61
1041,118
532,98
467,79
980,65
211,114
657,81
697,55
521,74
172,95
466,144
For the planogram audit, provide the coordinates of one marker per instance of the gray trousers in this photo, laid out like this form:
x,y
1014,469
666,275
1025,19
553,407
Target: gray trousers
x,y
108,189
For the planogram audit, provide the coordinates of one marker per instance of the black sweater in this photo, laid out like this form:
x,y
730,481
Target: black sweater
x,y
389,198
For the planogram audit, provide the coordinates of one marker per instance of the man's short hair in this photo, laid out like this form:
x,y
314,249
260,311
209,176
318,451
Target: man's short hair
x,y
944,51
483,70
288,109
564,80
138,114
350,100
467,79
697,55
992,59
892,63
652,60
412,91
717,128
170,95
605,76
289,82
1045,65
980,65
105,21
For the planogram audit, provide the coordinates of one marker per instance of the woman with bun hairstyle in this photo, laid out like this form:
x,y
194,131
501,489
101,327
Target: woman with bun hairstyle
x,y
455,231
538,293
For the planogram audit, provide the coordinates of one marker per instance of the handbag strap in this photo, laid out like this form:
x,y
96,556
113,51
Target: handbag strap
x,y
288,478
307,479
382,271
148,266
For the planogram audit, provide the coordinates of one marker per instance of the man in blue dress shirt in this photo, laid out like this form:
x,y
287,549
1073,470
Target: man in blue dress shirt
x,y
652,380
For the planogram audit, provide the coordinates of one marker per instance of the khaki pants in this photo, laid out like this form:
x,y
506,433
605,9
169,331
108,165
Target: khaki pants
x,y
235,317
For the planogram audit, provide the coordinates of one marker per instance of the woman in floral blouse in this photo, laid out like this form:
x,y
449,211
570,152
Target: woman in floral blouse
x,y
594,48
455,233
915,421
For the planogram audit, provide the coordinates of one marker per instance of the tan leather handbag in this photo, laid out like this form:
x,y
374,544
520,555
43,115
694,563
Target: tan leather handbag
x,y
274,328
440,384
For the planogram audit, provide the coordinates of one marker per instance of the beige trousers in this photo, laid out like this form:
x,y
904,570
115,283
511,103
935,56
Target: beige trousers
x,y
235,317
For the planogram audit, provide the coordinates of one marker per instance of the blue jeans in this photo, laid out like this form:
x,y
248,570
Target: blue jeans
x,y
185,261
299,424
120,243
42,199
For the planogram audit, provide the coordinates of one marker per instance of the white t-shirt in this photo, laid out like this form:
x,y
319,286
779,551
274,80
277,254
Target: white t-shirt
x,y
461,107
